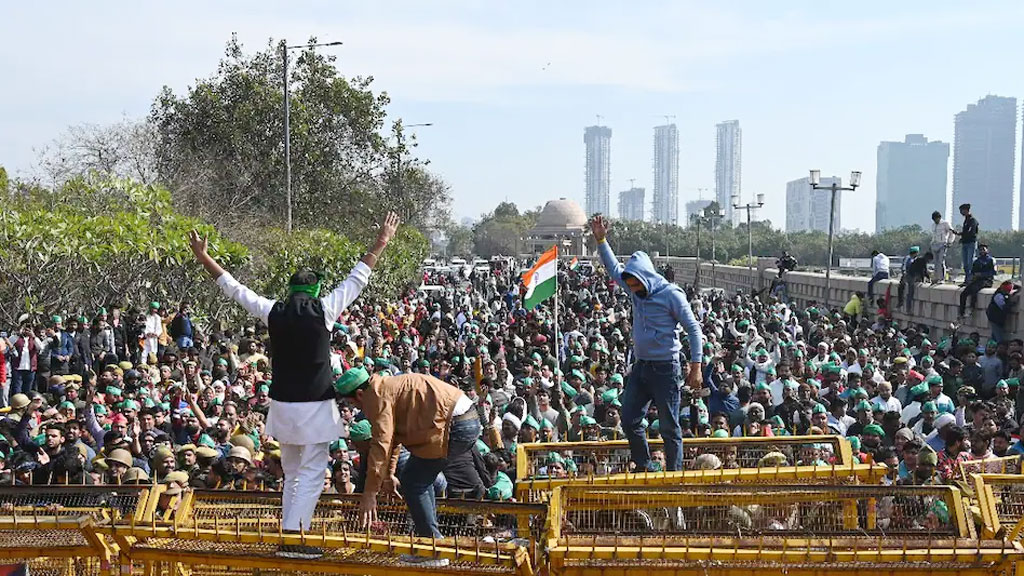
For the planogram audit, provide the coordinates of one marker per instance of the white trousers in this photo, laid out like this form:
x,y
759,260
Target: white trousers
x,y
304,466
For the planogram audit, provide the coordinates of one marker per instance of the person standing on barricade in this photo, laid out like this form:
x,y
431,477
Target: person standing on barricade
x,y
303,414
658,308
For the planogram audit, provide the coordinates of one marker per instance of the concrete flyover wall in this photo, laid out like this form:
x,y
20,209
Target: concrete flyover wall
x,y
934,306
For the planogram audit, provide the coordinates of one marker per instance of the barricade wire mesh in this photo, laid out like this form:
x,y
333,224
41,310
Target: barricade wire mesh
x,y
686,512
583,459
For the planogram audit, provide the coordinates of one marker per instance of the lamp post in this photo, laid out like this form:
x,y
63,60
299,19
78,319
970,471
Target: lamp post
x,y
710,218
815,181
287,123
750,236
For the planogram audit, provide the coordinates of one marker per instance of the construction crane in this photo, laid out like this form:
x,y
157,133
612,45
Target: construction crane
x,y
668,117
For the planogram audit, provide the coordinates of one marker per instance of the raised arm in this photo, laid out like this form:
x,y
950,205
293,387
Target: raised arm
x,y
253,303
340,298
599,226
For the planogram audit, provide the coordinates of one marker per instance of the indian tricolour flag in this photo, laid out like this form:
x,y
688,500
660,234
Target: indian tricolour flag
x,y
574,263
541,280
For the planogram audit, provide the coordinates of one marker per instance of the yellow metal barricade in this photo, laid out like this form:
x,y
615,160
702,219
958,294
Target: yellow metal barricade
x,y
539,490
239,532
768,529
60,529
1000,501
998,465
606,458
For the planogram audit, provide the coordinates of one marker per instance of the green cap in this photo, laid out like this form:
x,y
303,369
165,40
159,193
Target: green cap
x,y
863,406
616,379
555,458
610,395
568,390
933,379
874,429
929,407
113,391
1002,384
914,249
382,363
56,319
577,374
531,422
360,430
546,424
720,434
918,390
339,444
352,378
762,386
65,404
940,510
587,421
154,305
819,409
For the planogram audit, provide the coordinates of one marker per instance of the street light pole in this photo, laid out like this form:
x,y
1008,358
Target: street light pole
x,y
287,124
696,272
750,233
815,181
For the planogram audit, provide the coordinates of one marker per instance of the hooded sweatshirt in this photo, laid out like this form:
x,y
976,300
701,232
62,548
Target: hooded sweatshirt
x,y
658,312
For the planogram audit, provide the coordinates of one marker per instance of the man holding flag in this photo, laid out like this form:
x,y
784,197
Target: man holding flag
x,y
658,307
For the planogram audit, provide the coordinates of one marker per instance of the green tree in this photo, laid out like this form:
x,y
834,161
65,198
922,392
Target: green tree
x,y
501,232
219,147
460,239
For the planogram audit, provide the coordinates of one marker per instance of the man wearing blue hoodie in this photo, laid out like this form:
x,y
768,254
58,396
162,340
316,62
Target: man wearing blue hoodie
x,y
658,307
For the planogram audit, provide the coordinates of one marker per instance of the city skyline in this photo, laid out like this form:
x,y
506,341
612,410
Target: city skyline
x,y
729,168
911,182
536,82
807,209
665,207
984,153
597,169
632,204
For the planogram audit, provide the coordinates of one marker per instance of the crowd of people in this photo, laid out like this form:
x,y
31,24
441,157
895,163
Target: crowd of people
x,y
122,396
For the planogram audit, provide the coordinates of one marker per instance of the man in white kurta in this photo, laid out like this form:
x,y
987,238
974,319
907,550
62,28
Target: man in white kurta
x,y
303,414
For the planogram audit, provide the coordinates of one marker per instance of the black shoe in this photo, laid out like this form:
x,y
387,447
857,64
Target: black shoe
x,y
299,552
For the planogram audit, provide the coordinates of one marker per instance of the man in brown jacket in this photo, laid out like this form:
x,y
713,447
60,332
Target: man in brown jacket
x,y
435,422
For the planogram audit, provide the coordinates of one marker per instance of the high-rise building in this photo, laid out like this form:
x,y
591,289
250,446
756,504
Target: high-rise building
x,y
728,167
807,209
665,208
694,207
911,182
984,150
631,204
599,169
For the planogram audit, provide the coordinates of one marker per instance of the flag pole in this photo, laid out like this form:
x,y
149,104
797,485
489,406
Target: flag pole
x,y
558,343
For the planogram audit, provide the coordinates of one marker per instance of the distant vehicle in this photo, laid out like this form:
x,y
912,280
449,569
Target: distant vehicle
x,y
429,262
427,289
457,262
479,262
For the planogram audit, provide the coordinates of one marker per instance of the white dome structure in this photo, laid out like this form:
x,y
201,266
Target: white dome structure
x,y
561,222
561,215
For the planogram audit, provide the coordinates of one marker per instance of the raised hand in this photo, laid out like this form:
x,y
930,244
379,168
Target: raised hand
x,y
197,243
599,227
388,228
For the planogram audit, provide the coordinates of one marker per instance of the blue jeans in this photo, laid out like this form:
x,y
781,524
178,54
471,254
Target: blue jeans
x,y
657,382
871,285
22,381
998,332
967,250
184,342
419,474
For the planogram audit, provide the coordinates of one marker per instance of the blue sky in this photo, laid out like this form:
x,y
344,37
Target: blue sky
x,y
509,86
